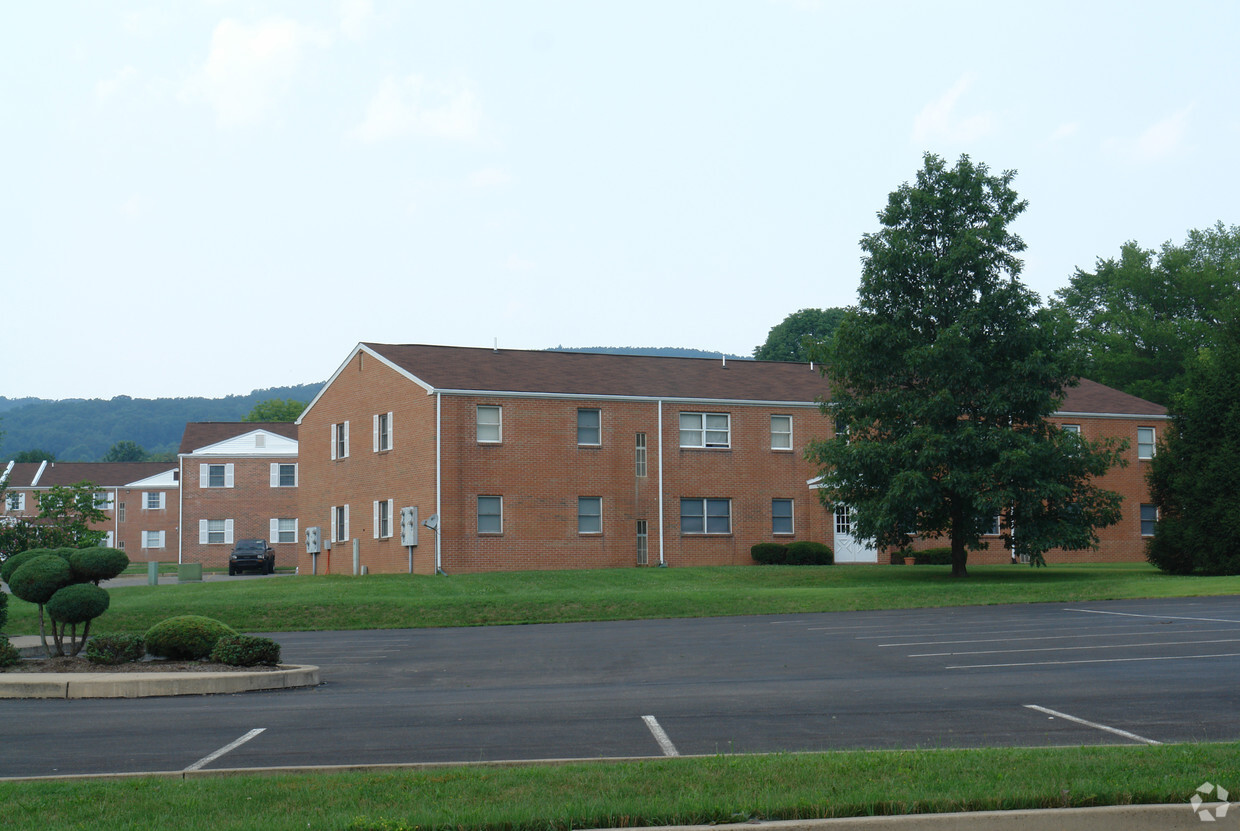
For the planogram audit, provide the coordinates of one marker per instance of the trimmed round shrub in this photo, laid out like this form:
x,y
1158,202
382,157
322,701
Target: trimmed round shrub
x,y
809,553
98,563
9,656
246,651
78,603
15,561
185,637
115,649
37,579
769,553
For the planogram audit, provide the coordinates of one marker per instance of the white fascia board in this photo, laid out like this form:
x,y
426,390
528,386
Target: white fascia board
x,y
277,446
167,479
1127,416
582,396
362,348
430,390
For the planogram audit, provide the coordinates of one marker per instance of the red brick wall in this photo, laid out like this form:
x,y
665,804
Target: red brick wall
x,y
130,522
251,503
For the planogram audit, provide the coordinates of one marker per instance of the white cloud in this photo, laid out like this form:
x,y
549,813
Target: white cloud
x,y
106,89
1064,131
939,119
489,177
250,67
416,106
355,17
1162,139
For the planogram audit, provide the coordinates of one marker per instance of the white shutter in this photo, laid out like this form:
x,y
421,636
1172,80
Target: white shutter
x,y
203,532
204,475
346,511
375,521
333,523
333,444
228,477
161,538
391,504
162,503
374,433
346,438
228,531
274,526
275,474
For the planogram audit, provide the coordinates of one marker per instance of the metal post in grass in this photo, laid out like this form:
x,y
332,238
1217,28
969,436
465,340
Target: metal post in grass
x,y
152,573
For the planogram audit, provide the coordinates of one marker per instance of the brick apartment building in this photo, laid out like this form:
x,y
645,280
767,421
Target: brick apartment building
x,y
139,500
548,460
239,480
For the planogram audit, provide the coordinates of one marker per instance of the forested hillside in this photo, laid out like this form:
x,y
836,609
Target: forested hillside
x,y
83,430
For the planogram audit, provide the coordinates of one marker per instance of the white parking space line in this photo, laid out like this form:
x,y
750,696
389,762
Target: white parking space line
x,y
1095,661
1158,617
1072,648
1109,634
665,743
228,748
1093,724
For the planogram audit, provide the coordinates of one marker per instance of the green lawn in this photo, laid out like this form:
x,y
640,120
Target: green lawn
x,y
400,601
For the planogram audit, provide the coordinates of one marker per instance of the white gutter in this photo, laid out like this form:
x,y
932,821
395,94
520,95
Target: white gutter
x,y
438,480
662,563
180,505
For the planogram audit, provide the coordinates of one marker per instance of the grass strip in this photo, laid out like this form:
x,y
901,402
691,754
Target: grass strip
x,y
550,797
414,601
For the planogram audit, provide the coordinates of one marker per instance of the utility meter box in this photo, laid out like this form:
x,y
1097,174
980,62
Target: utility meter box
x,y
314,539
408,526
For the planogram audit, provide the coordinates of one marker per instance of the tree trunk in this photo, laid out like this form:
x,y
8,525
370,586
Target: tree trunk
x,y
960,554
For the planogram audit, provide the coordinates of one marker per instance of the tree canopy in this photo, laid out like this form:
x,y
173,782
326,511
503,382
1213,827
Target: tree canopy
x,y
793,338
276,409
1195,475
35,455
1144,314
125,451
944,375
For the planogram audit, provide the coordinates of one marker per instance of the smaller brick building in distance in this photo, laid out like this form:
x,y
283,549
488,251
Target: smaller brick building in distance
x,y
138,498
239,480
555,460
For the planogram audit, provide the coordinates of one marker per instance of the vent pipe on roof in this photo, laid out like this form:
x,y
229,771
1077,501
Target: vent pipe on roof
x,y
495,348
725,359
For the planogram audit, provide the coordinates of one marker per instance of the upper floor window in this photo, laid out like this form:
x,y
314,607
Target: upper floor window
x,y
153,500
1145,442
16,501
490,423
589,515
1071,428
284,474
103,500
215,476
640,454
340,440
589,427
382,432
705,516
781,432
705,430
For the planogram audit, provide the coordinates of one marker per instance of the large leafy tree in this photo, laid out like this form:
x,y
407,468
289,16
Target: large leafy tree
x,y
794,337
1195,476
126,451
275,409
942,379
1144,314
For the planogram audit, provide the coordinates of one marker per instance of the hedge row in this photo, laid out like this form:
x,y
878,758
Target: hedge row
x,y
799,553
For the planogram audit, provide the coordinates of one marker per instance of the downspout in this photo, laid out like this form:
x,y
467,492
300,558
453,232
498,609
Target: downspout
x,y
180,506
438,479
662,562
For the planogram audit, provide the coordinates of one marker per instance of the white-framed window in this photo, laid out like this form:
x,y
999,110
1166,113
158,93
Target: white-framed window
x,y
382,432
284,474
589,426
152,539
215,476
103,500
490,424
16,501
340,523
1149,518
640,454
382,515
490,515
781,516
283,529
1071,428
643,543
705,430
1145,442
705,516
215,531
340,440
153,500
589,515
781,432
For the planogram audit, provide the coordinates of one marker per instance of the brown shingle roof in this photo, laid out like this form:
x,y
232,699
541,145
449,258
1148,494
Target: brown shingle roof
x,y
645,376
199,434
103,474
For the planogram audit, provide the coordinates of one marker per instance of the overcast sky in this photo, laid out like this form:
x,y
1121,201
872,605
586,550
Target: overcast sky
x,y
203,198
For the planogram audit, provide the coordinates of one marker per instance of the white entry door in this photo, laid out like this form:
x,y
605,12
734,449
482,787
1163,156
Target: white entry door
x,y
849,549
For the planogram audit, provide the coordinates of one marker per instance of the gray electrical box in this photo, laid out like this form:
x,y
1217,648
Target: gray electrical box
x,y
408,526
314,539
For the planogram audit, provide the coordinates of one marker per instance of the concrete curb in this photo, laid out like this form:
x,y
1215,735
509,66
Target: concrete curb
x,y
146,684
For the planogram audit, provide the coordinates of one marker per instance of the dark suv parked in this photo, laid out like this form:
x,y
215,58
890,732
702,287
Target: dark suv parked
x,y
252,555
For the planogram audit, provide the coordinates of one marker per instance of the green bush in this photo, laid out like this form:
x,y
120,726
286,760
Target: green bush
x,y
38,578
769,553
98,563
246,651
933,557
4,610
115,649
78,603
185,637
9,656
809,553
15,561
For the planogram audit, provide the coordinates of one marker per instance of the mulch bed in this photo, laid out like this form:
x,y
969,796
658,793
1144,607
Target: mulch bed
x,y
80,664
